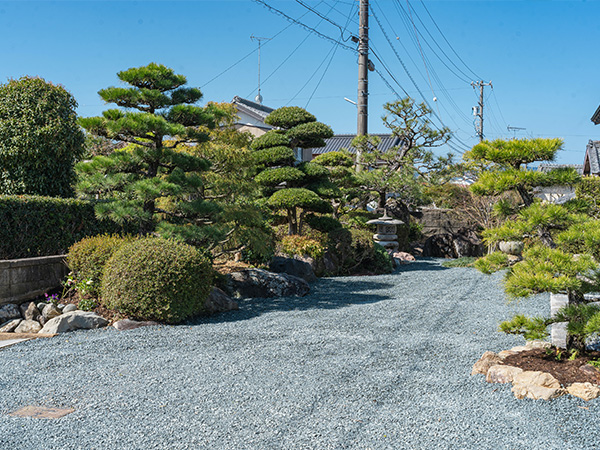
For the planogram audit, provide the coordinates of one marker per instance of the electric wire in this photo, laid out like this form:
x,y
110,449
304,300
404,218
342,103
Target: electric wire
x,y
300,2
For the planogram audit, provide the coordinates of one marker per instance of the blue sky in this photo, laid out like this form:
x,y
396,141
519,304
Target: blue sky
x,y
539,56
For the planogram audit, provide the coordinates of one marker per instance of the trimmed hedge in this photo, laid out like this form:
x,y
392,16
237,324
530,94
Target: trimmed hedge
x,y
42,226
157,279
589,189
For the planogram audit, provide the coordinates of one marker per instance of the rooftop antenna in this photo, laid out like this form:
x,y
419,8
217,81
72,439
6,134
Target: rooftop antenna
x,y
514,130
258,97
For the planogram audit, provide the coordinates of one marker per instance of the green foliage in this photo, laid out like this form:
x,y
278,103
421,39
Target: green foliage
x,y
366,255
465,261
302,245
589,190
529,328
492,263
274,156
270,139
87,258
40,140
582,237
289,117
157,279
298,198
309,135
582,320
87,304
273,177
324,224
43,226
515,152
337,159
151,183
447,195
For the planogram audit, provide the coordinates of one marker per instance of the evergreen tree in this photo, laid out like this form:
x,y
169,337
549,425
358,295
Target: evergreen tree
x,y
40,141
297,190
150,182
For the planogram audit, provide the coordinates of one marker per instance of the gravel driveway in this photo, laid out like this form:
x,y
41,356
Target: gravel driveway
x,y
360,363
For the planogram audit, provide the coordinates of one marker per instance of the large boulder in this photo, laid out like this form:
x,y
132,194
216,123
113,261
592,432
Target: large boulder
x,y
488,360
128,324
587,391
536,385
76,320
28,326
464,242
251,283
218,301
9,312
293,266
30,311
9,327
502,374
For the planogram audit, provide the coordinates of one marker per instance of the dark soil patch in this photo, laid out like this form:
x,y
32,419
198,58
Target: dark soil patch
x,y
556,364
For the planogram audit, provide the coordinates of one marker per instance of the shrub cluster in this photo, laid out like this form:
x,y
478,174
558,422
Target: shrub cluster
x,y
43,226
157,279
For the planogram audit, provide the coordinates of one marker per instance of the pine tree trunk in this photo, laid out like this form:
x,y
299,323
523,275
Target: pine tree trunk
x,y
575,342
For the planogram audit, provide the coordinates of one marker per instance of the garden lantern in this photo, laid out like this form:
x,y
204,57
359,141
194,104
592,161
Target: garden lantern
x,y
386,231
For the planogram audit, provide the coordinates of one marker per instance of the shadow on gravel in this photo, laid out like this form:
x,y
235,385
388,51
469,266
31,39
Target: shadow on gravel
x,y
422,265
327,293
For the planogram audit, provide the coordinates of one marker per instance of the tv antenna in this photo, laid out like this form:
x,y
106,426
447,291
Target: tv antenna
x,y
514,130
258,97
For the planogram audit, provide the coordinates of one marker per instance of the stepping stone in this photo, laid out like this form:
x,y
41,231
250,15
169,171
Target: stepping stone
x,y
9,342
41,412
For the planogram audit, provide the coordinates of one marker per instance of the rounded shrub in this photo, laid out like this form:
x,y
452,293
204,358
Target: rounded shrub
x,y
298,198
274,156
271,138
88,257
157,279
272,177
289,116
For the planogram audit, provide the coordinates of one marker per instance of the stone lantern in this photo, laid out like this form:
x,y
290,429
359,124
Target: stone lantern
x,y
386,231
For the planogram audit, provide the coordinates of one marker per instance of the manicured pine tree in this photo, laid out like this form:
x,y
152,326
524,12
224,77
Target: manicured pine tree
x,y
297,190
149,182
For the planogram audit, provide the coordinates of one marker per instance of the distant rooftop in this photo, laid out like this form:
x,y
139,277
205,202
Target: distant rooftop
x,y
340,141
596,116
253,109
547,167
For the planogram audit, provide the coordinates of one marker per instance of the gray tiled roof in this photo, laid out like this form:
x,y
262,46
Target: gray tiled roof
x,y
596,116
340,141
251,108
547,167
592,158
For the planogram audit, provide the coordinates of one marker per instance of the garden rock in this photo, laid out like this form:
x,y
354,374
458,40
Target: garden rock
x,y
51,311
463,243
9,312
586,391
293,266
537,344
536,385
28,326
502,374
250,283
218,301
487,360
504,353
9,327
30,311
128,324
403,257
75,320
69,308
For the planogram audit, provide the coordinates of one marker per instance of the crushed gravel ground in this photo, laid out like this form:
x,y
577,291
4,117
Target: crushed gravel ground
x,y
377,362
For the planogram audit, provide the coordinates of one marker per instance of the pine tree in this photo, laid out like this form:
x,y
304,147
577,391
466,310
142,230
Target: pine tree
x,y
149,182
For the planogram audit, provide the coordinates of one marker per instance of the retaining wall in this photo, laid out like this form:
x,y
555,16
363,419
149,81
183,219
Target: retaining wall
x,y
25,279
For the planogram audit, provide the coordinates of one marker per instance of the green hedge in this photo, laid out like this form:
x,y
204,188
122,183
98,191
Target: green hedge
x,y
41,226
589,189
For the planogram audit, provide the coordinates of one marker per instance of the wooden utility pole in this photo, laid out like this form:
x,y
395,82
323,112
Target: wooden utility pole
x,y
362,103
479,109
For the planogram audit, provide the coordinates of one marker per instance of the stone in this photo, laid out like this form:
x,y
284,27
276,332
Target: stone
x,y
252,283
9,312
28,326
511,247
30,311
218,301
502,374
76,320
293,266
464,242
69,308
537,344
41,305
536,385
586,391
535,392
591,372
403,257
487,360
519,349
51,311
61,306
128,324
9,327
504,353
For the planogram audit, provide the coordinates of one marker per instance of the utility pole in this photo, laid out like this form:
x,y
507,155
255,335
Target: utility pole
x,y
258,97
363,75
478,110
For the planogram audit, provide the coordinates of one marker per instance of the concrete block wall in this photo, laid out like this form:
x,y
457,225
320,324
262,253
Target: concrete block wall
x,y
25,279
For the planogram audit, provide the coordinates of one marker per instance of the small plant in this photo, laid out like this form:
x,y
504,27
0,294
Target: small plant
x,y
574,355
595,363
465,261
302,245
53,298
87,304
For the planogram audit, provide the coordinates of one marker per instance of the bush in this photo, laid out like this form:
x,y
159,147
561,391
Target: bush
x,y
271,138
157,279
43,226
324,224
302,246
87,258
40,140
274,156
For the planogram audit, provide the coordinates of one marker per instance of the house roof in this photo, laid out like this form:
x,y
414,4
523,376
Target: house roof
x,y
340,141
596,116
591,163
253,109
547,167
